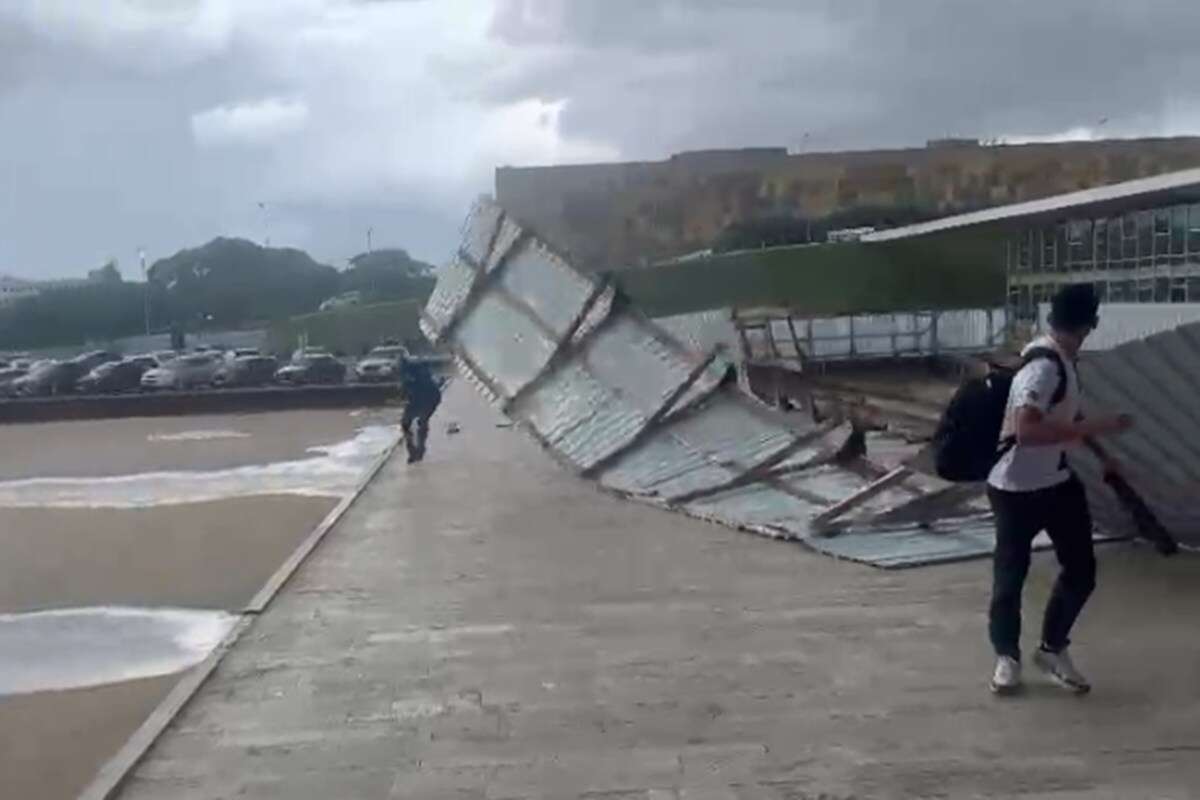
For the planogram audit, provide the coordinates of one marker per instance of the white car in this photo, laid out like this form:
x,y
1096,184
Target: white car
x,y
185,372
381,364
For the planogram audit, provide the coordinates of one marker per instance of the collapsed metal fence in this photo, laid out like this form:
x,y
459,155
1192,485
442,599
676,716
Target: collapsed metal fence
x,y
619,401
1157,379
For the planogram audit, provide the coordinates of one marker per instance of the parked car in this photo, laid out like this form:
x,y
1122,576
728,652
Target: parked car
x,y
320,368
49,378
147,360
381,364
185,372
302,353
115,376
7,377
240,352
89,361
252,370
162,357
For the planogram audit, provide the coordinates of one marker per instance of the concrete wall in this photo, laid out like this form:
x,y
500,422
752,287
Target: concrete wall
x,y
610,216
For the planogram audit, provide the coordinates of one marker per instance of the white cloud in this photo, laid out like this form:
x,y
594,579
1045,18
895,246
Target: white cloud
x,y
253,123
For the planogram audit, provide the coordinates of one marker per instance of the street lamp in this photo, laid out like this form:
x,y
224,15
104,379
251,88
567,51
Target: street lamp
x,y
145,289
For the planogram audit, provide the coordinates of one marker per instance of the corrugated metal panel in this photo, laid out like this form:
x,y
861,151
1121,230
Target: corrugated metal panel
x,y
455,281
1157,380
615,397
507,345
705,331
579,417
543,282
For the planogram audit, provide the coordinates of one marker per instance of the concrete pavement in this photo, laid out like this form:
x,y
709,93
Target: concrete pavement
x,y
485,626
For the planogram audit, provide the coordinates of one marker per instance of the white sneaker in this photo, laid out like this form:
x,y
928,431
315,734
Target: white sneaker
x,y
1062,670
1006,678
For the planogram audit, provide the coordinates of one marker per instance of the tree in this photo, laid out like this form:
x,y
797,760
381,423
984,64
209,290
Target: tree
x,y
387,275
224,283
109,273
233,281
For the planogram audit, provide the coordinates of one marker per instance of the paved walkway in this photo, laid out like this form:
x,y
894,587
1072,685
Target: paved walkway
x,y
485,626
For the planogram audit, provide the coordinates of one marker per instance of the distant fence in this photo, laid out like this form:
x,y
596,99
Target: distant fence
x,y
775,337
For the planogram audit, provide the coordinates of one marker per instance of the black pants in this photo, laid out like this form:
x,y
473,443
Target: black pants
x,y
415,423
1061,511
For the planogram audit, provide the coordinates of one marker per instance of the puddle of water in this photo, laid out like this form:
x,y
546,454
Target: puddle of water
x,y
196,436
80,647
331,471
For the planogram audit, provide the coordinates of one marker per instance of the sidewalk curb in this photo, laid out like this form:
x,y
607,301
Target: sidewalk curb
x,y
108,781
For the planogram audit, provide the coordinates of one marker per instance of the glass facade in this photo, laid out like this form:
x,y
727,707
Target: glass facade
x,y
1147,256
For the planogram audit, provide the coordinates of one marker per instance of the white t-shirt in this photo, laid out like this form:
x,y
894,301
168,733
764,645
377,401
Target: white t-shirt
x,y
1027,468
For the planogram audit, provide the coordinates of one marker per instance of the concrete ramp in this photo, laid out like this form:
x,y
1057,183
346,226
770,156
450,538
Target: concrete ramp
x,y
617,400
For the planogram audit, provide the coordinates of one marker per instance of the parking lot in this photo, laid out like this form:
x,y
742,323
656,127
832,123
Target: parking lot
x,y
103,372
125,548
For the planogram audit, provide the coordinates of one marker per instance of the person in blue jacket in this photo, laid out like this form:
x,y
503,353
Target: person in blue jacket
x,y
422,397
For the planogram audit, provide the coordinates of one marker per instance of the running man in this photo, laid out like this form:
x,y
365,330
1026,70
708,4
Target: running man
x,y
1032,489
421,398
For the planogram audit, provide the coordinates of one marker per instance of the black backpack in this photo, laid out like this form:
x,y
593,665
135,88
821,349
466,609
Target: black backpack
x,y
966,444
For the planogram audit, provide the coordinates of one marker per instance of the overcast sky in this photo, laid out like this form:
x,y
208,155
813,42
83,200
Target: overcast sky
x,y
164,123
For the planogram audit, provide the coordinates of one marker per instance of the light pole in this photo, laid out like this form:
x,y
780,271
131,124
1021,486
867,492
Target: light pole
x,y
145,289
369,232
266,213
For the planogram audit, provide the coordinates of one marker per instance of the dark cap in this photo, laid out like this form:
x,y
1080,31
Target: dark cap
x,y
1074,307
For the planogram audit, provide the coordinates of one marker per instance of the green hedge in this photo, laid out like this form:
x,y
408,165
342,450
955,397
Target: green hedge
x,y
953,270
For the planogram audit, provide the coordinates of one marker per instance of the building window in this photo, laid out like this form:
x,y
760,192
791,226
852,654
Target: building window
x,y
1048,254
1145,290
1114,243
1145,244
1129,240
1162,235
1024,261
1178,231
1162,290
1079,235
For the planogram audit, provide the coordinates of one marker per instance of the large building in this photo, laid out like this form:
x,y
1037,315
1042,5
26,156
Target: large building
x,y
13,289
614,216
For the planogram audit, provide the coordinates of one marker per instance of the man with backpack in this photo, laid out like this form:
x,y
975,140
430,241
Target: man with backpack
x,y
422,396
1032,488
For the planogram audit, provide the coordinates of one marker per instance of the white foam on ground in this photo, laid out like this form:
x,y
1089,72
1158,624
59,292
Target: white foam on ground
x,y
331,471
80,647
196,436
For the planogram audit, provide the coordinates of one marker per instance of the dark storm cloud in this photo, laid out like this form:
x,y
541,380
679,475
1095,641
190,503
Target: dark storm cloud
x,y
156,123
854,73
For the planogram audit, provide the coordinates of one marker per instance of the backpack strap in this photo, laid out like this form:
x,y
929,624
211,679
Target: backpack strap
x,y
1036,353
1060,391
